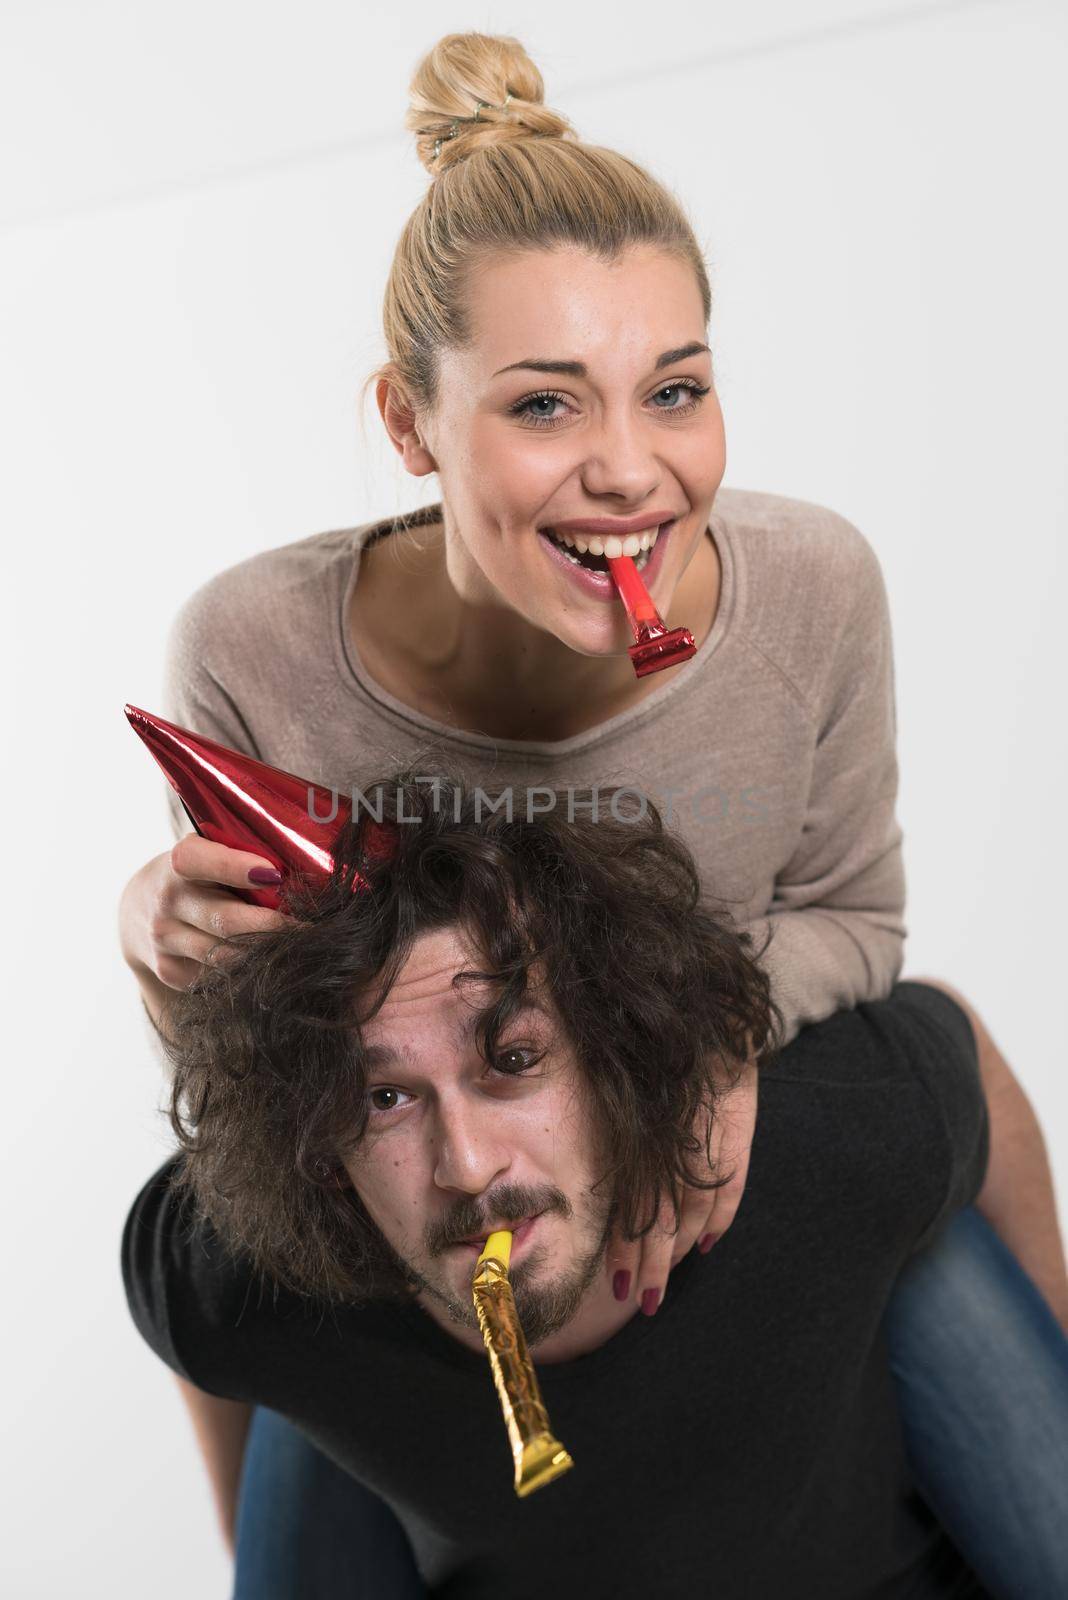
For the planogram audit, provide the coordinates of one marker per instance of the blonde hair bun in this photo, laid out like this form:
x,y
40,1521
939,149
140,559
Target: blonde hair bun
x,y
531,185
462,70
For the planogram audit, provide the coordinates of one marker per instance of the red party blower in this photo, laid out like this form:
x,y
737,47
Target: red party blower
x,y
655,645
248,805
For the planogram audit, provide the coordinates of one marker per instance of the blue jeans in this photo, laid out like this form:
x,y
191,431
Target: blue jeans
x,y
307,1531
981,1368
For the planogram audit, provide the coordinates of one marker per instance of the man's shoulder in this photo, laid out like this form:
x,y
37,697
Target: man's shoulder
x,y
882,1099
202,1305
862,1047
186,1291
905,1036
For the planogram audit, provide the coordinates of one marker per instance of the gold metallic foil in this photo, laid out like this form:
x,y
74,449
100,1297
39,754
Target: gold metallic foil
x,y
538,1456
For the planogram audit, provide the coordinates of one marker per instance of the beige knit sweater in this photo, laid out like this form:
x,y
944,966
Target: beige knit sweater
x,y
772,752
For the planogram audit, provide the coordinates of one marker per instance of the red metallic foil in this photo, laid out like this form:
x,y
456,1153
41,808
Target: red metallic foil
x,y
655,646
249,805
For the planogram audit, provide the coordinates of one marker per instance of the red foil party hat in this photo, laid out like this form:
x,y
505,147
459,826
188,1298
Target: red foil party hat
x,y
248,805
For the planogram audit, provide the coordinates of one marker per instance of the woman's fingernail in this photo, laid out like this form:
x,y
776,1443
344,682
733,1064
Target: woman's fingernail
x,y
264,875
649,1301
706,1244
621,1285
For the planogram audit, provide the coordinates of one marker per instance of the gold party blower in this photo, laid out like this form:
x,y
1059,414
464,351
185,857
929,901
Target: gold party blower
x,y
538,1456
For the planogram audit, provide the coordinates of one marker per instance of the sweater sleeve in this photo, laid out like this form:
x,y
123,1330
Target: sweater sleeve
x,y
836,917
196,694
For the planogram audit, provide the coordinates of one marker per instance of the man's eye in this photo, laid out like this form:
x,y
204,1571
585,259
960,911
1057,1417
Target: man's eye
x,y
513,1062
384,1090
507,1060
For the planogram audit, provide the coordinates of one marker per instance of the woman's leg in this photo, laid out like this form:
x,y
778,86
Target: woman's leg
x,y
981,1366
307,1531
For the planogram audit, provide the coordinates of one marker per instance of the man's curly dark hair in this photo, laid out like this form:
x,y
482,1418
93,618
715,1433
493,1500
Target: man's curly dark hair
x,y
659,993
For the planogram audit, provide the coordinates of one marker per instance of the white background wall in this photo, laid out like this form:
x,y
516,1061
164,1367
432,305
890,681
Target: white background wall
x,y
197,212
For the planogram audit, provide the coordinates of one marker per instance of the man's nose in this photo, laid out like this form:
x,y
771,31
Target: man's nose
x,y
470,1150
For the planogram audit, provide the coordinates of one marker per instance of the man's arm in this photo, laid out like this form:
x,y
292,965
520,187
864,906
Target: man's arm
x,y
221,1428
185,1293
1017,1197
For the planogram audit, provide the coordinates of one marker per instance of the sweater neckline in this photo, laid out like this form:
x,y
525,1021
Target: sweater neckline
x,y
359,680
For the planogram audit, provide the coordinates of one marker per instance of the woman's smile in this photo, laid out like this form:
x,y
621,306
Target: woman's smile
x,y
587,568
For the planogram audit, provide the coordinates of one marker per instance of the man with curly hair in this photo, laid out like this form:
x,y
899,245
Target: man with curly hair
x,y
518,1025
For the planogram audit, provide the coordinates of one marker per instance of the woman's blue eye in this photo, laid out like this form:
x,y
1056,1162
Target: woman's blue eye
x,y
533,419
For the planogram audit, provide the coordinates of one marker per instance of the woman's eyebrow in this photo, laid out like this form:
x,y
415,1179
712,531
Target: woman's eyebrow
x,y
578,369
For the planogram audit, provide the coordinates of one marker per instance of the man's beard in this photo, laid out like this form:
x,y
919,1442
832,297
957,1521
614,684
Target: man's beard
x,y
543,1307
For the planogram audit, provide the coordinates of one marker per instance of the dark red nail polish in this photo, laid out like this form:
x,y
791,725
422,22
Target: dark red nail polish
x,y
264,875
650,1300
706,1244
621,1285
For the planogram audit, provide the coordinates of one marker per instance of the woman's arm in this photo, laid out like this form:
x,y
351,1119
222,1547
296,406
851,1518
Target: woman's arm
x,y
185,1291
172,911
837,913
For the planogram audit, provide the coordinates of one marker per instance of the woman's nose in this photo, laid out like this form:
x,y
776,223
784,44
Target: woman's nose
x,y
621,460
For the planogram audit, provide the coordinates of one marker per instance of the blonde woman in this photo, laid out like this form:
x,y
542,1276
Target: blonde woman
x,y
546,321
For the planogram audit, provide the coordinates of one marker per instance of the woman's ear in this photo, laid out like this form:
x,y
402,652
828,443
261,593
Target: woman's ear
x,y
399,417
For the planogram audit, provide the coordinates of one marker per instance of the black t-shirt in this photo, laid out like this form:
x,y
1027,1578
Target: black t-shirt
x,y
743,1443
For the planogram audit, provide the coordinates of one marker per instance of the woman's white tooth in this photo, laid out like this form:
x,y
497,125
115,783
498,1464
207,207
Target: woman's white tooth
x,y
635,544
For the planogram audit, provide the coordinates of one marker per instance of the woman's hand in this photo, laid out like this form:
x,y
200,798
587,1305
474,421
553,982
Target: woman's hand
x,y
173,911
639,1269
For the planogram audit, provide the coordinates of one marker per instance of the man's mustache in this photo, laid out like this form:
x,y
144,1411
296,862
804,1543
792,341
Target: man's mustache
x,y
506,1206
